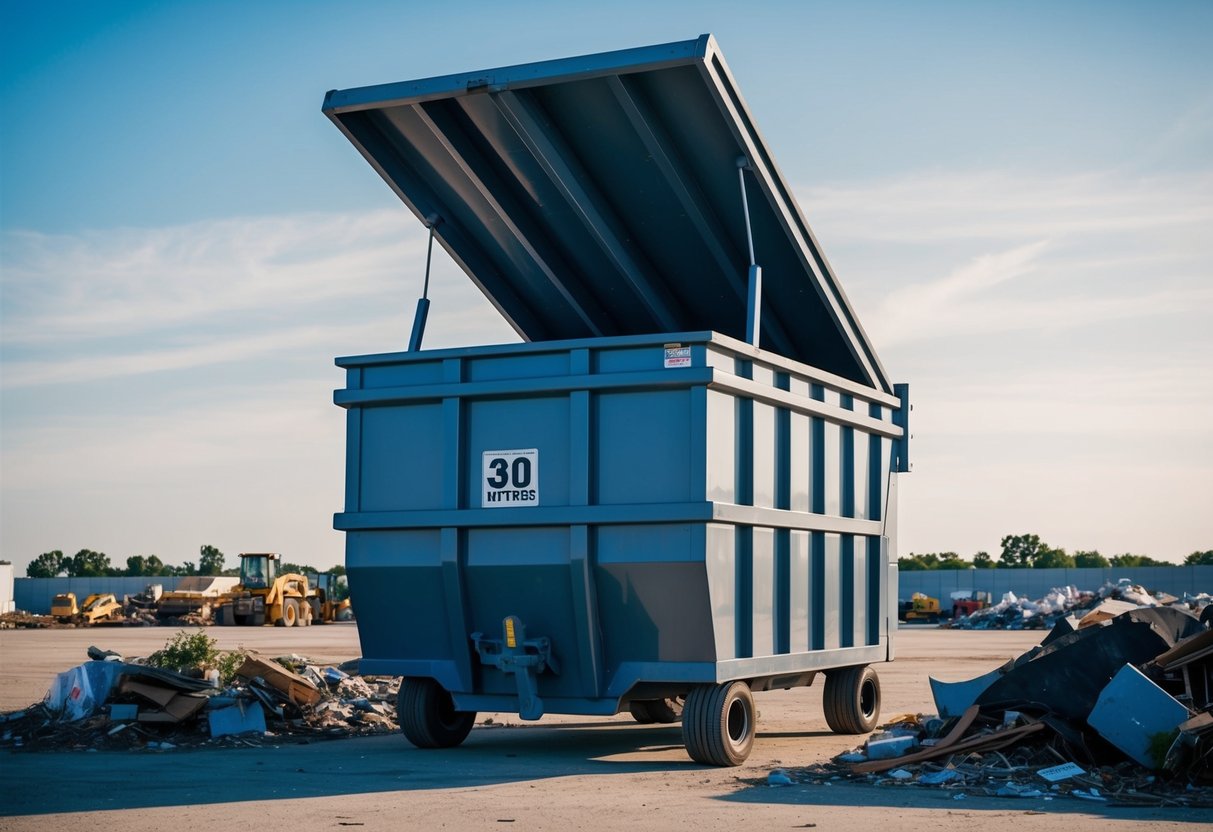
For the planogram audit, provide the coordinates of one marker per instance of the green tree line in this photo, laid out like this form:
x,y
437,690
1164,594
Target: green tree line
x,y
87,563
1028,551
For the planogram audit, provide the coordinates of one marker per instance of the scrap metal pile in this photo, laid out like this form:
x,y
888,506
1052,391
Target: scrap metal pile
x,y
110,703
1119,712
1016,613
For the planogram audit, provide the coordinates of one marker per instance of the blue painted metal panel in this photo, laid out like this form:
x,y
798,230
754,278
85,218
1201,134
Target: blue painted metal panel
x,y
663,535
598,196
665,509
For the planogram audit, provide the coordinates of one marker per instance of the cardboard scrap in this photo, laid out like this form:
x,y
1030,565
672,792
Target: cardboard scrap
x,y
174,706
300,690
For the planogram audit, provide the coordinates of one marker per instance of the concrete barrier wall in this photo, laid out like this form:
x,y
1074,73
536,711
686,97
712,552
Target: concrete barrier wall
x,y
1034,583
35,594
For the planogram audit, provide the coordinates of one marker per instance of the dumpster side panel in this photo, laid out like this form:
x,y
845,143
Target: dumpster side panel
x,y
399,621
704,512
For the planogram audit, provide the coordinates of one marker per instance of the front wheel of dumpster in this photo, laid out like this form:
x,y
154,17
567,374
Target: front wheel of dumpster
x,y
427,715
640,712
719,723
851,699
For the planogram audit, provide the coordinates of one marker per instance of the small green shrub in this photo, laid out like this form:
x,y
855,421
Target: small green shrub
x,y
197,652
227,664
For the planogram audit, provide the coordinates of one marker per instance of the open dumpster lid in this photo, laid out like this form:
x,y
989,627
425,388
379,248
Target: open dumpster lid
x,y
599,195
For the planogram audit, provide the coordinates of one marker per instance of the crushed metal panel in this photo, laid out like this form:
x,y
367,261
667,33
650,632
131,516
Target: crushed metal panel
x,y
1067,675
240,718
1137,716
599,196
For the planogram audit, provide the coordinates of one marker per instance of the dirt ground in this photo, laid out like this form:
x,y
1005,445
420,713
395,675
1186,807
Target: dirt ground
x,y
561,773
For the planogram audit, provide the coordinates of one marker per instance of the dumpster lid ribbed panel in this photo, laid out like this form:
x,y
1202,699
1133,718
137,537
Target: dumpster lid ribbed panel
x,y
599,195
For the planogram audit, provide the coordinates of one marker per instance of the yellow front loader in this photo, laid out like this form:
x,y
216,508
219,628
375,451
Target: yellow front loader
x,y
266,597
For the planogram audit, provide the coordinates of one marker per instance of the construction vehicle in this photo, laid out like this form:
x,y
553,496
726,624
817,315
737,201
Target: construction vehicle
x,y
100,606
967,602
64,608
197,594
920,607
325,606
264,596
148,599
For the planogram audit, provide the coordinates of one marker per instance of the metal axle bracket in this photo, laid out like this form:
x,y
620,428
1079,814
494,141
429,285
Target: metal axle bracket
x,y
524,658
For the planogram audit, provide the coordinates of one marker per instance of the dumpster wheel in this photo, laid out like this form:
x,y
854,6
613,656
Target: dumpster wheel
x,y
719,723
851,699
662,711
427,715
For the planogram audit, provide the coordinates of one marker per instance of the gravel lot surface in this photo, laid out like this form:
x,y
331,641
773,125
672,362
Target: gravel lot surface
x,y
561,773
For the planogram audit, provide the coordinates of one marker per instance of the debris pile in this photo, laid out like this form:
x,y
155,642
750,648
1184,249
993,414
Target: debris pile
x,y
1015,613
1117,712
111,703
20,620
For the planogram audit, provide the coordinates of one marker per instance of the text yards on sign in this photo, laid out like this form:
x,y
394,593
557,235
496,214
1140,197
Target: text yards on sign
x,y
511,478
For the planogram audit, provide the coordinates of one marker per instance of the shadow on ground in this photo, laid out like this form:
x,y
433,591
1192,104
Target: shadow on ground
x,y
42,783
911,797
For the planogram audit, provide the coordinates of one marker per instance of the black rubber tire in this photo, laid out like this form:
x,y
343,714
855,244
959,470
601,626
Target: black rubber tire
x,y
666,711
719,723
427,715
317,613
851,700
224,616
640,711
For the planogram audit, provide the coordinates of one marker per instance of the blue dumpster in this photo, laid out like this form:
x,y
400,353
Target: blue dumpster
x,y
680,489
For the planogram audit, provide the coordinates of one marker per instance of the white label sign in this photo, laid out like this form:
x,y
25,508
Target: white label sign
x,y
677,356
511,478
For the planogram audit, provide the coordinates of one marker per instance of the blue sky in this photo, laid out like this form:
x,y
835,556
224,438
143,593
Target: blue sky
x,y
1017,198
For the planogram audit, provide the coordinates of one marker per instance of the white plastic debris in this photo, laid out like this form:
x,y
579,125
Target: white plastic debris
x,y
778,777
1091,795
1062,772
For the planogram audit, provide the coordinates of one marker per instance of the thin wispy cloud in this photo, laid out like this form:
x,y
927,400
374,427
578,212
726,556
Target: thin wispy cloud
x,y
93,306
934,207
220,337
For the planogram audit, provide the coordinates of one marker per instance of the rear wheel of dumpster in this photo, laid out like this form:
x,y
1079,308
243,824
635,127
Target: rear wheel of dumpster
x,y
851,700
290,613
719,723
427,715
